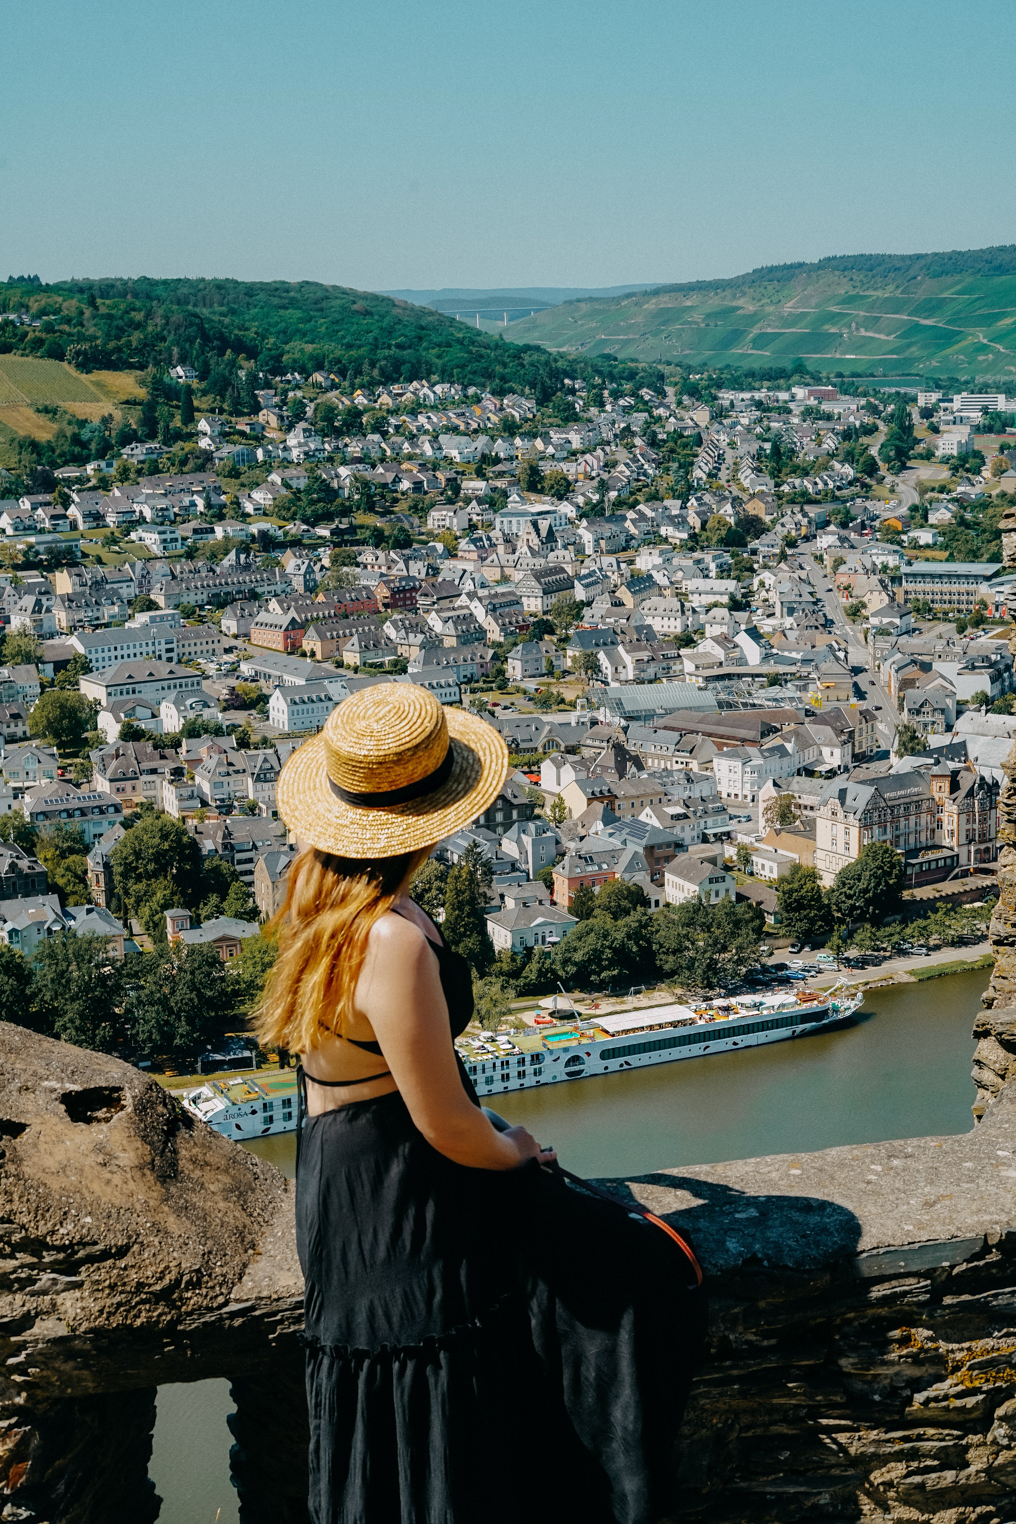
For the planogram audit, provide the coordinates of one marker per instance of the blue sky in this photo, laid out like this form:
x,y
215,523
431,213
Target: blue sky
x,y
385,144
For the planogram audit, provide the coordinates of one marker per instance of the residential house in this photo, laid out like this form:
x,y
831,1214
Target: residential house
x,y
511,805
60,803
270,880
741,771
690,879
522,927
305,707
13,723
226,934
277,632
533,842
24,766
530,659
21,874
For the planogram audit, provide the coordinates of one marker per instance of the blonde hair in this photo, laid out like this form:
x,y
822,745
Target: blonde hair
x,y
331,905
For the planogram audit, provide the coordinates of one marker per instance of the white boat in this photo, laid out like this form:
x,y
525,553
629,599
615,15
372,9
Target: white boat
x,y
653,1035
245,1107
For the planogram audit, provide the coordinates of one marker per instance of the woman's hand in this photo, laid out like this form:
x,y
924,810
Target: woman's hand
x,y
528,1147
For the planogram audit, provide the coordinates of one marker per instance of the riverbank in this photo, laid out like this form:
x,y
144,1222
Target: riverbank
x,y
913,969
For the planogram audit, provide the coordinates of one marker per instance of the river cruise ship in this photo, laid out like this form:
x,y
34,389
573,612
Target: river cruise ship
x,y
250,1107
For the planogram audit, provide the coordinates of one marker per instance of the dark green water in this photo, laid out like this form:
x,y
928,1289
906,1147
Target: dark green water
x,y
903,1070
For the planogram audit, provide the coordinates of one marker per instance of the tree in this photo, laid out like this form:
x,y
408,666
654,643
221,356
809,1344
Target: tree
x,y
186,405
557,812
77,985
464,927
1004,705
63,718
248,973
583,903
565,612
240,903
909,740
179,1000
616,899
79,666
428,886
871,887
590,956
21,648
779,811
130,730
530,476
707,946
803,905
491,1003
977,699
143,604
14,827
588,663
210,909
62,850
507,967
556,484
157,866
17,999
743,856
538,977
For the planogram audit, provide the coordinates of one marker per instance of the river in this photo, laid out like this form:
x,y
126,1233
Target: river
x,y
900,1070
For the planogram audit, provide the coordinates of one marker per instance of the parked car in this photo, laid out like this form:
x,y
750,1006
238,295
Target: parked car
x,y
825,958
795,947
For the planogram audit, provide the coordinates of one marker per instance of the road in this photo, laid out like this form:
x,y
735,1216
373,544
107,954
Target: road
x,y
874,694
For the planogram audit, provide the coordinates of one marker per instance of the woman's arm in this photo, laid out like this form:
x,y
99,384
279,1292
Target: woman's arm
x,y
400,994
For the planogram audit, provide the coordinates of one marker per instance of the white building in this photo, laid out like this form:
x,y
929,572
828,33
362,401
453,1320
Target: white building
x,y
697,880
529,926
741,771
305,707
159,538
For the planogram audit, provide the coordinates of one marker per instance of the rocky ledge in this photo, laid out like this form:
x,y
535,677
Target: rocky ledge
x,y
862,1361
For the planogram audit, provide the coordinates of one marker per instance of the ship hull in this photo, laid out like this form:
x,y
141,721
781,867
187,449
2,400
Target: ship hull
x,y
601,1058
574,1060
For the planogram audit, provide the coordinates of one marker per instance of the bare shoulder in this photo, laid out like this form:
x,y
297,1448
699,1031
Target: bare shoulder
x,y
394,935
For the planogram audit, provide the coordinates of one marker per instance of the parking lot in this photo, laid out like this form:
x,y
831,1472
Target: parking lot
x,y
808,967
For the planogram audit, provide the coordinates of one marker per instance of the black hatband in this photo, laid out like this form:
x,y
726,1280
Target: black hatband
x,y
428,785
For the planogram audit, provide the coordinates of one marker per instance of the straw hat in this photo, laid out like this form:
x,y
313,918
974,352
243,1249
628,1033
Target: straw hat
x,y
392,771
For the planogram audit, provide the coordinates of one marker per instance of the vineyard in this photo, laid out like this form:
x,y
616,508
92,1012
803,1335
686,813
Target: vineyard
x,y
27,382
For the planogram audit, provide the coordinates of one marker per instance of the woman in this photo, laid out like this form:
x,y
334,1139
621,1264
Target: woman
x,y
484,1343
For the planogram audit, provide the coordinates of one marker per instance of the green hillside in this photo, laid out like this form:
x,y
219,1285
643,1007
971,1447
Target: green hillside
x,y
920,314
115,325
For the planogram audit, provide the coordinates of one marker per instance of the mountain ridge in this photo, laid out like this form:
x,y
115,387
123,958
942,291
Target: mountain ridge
x,y
913,314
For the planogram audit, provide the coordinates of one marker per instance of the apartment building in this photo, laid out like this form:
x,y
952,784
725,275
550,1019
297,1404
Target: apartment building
x,y
898,809
966,812
948,585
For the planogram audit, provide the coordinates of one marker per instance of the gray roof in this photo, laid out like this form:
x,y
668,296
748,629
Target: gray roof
x,y
221,926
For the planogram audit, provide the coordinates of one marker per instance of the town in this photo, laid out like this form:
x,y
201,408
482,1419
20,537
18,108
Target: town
x,y
725,634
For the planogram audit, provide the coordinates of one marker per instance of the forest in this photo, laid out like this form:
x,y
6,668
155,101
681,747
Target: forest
x,y
364,339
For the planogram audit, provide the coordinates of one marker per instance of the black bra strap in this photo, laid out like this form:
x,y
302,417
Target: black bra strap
x,y
368,1047
340,1084
437,946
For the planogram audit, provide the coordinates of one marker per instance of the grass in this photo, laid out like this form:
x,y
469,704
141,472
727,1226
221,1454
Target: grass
x,y
25,420
958,966
119,386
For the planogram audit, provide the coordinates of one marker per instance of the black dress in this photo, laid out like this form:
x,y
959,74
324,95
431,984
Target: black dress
x,y
483,1346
